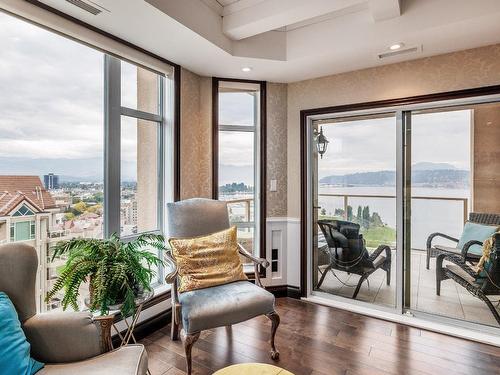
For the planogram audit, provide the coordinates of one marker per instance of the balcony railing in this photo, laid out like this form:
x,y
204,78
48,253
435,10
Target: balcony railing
x,y
245,204
465,201
423,223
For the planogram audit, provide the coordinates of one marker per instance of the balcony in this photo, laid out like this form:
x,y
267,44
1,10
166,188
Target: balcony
x,y
429,214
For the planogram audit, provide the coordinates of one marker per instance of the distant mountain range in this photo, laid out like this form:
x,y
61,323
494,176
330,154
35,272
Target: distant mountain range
x,y
423,174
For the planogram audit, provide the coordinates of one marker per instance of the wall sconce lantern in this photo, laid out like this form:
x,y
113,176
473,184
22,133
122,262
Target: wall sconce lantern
x,y
321,141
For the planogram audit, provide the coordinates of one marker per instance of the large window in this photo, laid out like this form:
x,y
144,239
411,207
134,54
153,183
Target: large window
x,y
238,158
81,145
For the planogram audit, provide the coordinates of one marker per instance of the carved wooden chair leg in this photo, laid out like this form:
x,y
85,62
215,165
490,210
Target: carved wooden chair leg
x,y
275,320
174,332
188,341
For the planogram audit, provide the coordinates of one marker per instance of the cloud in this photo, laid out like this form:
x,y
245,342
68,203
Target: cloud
x,y
370,144
51,94
236,108
236,148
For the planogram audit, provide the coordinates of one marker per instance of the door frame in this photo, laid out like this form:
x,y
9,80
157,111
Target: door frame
x,y
390,105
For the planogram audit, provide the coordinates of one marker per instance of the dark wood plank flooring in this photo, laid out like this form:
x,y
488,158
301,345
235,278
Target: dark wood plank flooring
x,y
318,340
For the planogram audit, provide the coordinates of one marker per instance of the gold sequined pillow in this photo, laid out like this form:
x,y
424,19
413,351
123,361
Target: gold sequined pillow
x,y
207,260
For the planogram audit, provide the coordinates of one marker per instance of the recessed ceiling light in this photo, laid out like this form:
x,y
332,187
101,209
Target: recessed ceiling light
x,y
396,46
246,69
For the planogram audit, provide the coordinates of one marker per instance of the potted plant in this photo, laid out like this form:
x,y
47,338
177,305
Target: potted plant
x,y
118,272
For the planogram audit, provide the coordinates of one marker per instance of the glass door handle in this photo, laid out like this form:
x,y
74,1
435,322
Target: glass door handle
x,y
317,207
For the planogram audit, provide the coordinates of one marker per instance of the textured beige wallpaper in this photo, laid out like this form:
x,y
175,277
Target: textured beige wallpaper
x,y
196,141
276,149
196,135
460,70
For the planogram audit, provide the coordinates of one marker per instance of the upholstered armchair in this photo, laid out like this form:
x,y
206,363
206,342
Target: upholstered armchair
x,y
218,306
67,342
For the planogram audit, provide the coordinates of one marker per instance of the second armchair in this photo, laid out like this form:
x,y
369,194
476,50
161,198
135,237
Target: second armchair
x,y
217,306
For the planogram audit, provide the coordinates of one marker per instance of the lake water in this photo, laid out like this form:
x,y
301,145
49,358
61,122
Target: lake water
x,y
427,215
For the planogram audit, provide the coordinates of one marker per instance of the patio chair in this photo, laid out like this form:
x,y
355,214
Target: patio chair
x,y
349,254
479,285
466,252
217,306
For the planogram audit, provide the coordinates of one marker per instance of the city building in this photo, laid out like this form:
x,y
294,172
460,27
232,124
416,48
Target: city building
x,y
51,181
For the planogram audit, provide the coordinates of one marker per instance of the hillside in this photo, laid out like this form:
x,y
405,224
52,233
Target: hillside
x,y
437,175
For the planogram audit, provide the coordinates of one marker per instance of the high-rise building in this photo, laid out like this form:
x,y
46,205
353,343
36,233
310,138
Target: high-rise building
x,y
51,181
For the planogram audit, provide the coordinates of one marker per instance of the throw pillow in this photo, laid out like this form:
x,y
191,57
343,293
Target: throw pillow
x,y
478,232
14,348
207,260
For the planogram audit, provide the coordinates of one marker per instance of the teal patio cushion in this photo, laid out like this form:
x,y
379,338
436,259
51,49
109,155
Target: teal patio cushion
x,y
478,232
14,348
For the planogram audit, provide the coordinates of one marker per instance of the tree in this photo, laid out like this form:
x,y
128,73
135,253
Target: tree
x,y
69,216
376,220
80,208
323,212
339,212
359,217
366,216
349,213
95,209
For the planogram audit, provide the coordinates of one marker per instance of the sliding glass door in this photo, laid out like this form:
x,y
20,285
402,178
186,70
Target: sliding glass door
x,y
454,180
394,196
354,246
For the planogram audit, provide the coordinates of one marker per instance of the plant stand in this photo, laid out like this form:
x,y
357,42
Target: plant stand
x,y
129,332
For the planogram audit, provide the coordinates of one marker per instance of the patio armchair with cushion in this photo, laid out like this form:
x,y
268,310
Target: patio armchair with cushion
x,y
469,250
67,342
347,252
214,306
479,284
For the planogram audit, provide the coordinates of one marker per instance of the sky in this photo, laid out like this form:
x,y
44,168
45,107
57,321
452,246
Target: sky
x,y
236,148
51,118
369,145
51,104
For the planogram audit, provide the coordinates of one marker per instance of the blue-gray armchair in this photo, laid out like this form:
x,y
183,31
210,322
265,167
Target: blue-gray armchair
x,y
218,306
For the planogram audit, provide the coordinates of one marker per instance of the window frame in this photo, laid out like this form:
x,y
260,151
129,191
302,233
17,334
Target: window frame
x,y
260,156
114,111
13,230
170,139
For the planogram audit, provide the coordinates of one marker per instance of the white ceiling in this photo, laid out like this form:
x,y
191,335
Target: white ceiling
x,y
291,40
227,2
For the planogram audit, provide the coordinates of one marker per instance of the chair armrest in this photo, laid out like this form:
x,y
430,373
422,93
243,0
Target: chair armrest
x,y
256,261
59,337
373,256
467,246
260,261
170,268
455,259
437,234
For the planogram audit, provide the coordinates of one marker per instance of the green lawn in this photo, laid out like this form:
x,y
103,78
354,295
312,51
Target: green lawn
x,y
379,236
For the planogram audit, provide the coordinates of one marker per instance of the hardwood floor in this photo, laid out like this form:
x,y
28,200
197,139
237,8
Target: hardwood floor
x,y
318,340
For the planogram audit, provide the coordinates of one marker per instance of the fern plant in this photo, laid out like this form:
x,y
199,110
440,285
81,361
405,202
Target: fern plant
x,y
117,271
